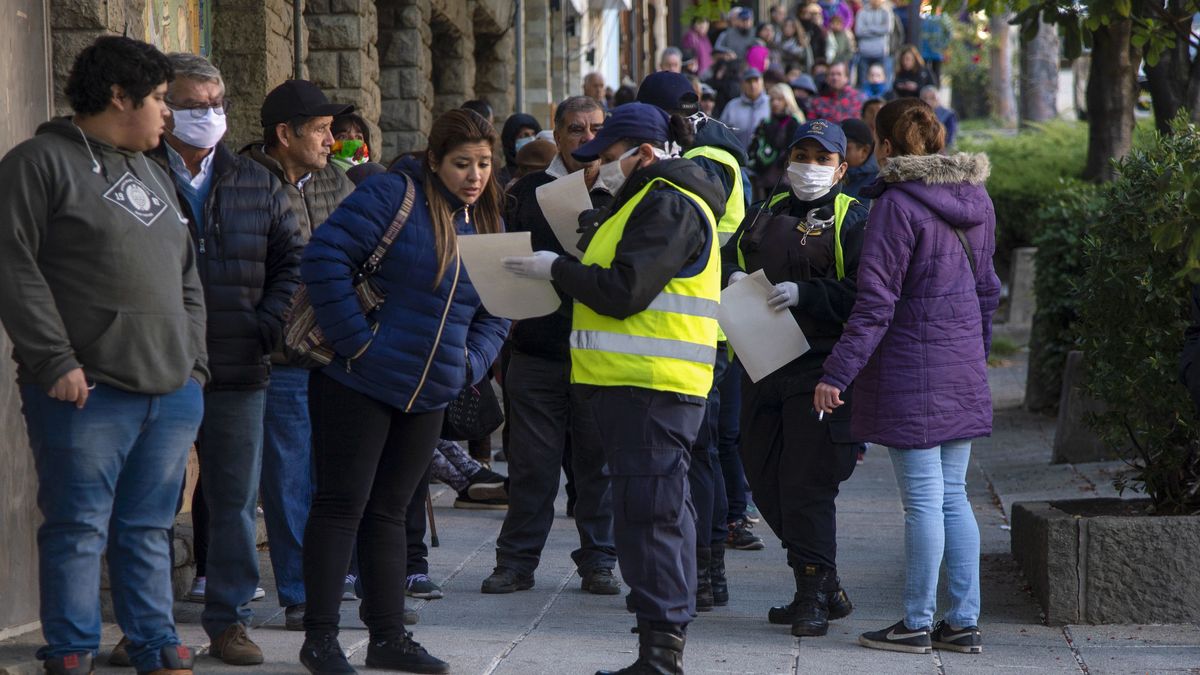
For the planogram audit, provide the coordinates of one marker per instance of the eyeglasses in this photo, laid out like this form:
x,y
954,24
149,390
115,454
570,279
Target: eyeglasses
x,y
199,110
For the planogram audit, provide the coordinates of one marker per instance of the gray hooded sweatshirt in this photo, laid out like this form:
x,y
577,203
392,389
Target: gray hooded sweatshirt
x,y
96,266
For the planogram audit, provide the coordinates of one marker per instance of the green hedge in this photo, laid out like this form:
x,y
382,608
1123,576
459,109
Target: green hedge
x,y
1141,255
1060,263
1029,170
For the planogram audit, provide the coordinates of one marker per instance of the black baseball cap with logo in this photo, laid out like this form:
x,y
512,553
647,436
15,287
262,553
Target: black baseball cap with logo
x,y
298,98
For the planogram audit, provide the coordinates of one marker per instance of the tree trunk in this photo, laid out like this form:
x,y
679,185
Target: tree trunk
x,y
1039,76
1111,95
1170,80
1004,107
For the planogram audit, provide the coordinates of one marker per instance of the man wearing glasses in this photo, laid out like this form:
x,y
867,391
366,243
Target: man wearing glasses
x,y
248,249
542,411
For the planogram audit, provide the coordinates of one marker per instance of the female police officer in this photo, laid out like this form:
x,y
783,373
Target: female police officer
x,y
807,241
643,342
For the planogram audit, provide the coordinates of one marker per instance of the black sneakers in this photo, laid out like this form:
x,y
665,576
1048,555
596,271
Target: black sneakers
x,y
506,580
966,640
323,655
69,664
486,485
599,581
404,654
741,538
898,638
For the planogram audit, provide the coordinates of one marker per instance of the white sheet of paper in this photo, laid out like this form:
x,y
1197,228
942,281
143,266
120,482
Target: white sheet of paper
x,y
503,293
562,201
764,340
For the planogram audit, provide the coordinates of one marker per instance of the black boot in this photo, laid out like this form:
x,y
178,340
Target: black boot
x,y
716,575
839,603
704,591
660,651
810,617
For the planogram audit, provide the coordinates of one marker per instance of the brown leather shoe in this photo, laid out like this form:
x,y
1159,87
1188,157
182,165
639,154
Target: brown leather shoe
x,y
235,647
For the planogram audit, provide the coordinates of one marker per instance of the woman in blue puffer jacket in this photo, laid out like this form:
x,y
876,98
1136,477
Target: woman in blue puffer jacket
x,y
377,409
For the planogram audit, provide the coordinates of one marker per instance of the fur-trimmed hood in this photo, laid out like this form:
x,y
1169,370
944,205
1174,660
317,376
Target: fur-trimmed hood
x,y
963,167
952,187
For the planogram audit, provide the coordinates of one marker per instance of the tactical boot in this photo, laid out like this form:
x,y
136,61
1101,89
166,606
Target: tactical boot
x,y
660,651
810,617
839,603
716,575
704,591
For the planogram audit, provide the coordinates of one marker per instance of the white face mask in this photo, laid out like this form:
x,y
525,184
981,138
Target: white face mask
x,y
522,142
199,132
612,176
810,181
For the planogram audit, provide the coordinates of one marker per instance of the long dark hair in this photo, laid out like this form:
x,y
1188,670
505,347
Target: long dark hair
x,y
452,129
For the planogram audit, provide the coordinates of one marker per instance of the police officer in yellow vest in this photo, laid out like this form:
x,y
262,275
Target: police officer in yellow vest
x,y
719,153
807,241
643,342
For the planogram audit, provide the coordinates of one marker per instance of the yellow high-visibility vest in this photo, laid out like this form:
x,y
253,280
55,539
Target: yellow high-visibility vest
x,y
735,205
669,346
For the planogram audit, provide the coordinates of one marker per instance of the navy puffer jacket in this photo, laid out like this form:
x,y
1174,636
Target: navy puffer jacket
x,y
413,352
248,260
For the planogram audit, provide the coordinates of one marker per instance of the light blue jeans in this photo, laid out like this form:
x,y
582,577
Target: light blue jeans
x,y
938,522
108,480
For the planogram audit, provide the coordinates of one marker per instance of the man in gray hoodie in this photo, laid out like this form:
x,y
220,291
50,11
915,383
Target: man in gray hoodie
x,y
100,294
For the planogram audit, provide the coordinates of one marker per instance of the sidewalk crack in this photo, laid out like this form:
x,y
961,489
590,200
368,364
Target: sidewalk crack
x,y
533,625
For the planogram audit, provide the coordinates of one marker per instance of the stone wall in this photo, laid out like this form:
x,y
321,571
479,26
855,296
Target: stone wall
x,y
343,58
539,24
75,24
252,45
453,61
406,75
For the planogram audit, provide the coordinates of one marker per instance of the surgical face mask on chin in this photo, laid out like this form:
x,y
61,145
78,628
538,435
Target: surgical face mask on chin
x,y
199,132
611,176
810,181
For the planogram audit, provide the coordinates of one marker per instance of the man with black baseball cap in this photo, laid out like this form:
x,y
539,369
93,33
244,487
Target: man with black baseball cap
x,y
296,120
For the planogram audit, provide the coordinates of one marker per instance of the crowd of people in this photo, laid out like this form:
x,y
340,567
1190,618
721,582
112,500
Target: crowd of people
x,y
152,280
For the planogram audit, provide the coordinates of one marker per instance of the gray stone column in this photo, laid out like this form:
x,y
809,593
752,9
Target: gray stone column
x,y
539,95
406,75
252,45
342,55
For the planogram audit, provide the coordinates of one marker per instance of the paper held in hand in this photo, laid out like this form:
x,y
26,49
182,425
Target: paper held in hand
x,y
503,293
764,340
562,201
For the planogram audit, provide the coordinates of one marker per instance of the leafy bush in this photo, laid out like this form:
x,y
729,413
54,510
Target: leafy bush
x,y
1060,263
1028,171
1133,309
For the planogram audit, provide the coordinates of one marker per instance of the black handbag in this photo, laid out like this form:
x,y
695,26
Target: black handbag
x,y
473,415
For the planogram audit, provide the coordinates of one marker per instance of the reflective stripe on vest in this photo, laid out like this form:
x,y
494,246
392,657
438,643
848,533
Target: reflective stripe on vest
x,y
841,206
735,204
669,346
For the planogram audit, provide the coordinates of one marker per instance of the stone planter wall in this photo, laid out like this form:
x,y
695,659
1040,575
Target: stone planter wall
x,y
1108,569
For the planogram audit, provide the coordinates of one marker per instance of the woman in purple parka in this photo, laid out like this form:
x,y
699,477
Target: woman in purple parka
x,y
916,347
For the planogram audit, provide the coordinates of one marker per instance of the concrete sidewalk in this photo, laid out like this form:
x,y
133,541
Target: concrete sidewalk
x,y
556,628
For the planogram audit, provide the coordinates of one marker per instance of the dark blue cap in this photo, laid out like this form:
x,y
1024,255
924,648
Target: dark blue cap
x,y
632,120
805,82
829,135
670,91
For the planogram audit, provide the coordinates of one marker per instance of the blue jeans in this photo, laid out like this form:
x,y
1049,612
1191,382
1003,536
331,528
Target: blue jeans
x,y
230,452
938,519
287,478
109,476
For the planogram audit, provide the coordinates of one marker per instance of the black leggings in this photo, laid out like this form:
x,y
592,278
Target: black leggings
x,y
370,459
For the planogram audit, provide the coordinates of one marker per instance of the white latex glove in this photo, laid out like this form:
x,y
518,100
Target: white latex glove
x,y
736,277
786,294
536,266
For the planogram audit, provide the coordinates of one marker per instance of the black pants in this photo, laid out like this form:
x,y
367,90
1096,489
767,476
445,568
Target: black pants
x,y
647,437
370,459
795,465
545,411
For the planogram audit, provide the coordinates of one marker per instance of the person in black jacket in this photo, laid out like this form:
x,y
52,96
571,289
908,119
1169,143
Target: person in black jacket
x,y
643,341
544,414
248,250
808,242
